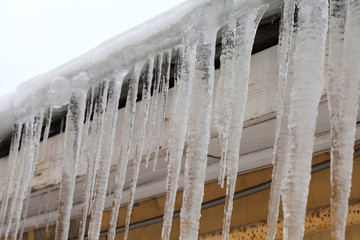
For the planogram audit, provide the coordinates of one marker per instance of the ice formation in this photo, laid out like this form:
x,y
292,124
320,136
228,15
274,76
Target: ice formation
x,y
72,144
13,160
305,96
91,89
238,37
106,151
94,149
126,134
154,106
344,57
281,131
164,89
140,138
46,133
184,75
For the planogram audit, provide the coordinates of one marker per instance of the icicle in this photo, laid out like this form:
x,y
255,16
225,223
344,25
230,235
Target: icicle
x,y
247,21
93,155
13,160
89,112
165,78
23,194
343,98
21,234
28,173
24,213
126,134
106,153
94,147
198,129
154,103
185,71
304,100
177,69
44,145
178,63
19,179
145,102
338,196
72,147
90,172
97,136
46,133
281,129
224,95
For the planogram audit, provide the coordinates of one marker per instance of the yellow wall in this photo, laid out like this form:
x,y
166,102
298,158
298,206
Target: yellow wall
x,y
249,209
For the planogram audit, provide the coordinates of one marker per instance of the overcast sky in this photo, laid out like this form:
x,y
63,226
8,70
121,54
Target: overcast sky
x,y
39,35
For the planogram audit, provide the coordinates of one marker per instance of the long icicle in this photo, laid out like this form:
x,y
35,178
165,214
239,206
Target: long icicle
x,y
126,135
89,112
93,149
165,78
46,133
106,154
305,97
154,105
178,63
28,174
90,159
24,213
13,160
25,151
281,129
72,147
184,72
145,102
43,153
198,128
94,154
337,20
224,94
343,98
246,24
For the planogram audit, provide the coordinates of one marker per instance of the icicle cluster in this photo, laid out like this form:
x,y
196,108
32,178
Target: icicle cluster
x,y
72,146
23,157
141,138
299,97
92,122
238,38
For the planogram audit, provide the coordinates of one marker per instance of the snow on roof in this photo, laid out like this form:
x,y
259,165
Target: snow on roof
x,y
120,52
123,51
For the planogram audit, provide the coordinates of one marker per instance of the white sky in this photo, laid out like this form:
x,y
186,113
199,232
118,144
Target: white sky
x,y
36,36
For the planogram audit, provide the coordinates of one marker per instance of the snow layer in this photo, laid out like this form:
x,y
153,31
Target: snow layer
x,y
120,52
